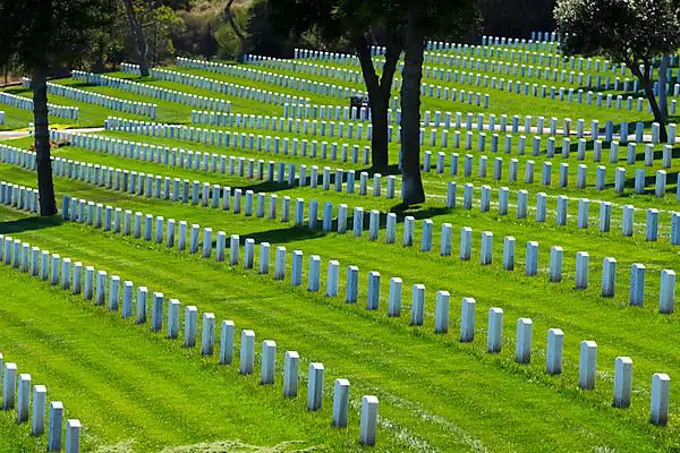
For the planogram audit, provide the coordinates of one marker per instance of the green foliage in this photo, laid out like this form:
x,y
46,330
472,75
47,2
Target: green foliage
x,y
263,39
197,36
624,30
228,42
51,33
334,20
159,23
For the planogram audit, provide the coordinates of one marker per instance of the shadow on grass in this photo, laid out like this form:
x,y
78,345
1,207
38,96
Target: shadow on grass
x,y
281,236
29,224
302,233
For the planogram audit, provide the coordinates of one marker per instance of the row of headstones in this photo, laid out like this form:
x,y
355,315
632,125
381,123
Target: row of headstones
x,y
16,393
554,93
323,128
355,130
441,58
550,59
437,56
561,93
250,142
109,102
458,120
142,183
20,102
525,71
74,170
281,123
443,74
532,72
551,146
95,214
445,93
130,68
310,54
538,36
99,216
24,198
222,137
126,181
487,51
332,90
587,367
135,183
303,67
494,66
155,92
429,71
443,142
628,211
209,195
58,272
566,143
531,126
661,176
500,54
281,80
241,91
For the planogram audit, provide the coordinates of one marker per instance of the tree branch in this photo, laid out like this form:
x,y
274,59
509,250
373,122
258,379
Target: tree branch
x,y
394,48
232,22
370,77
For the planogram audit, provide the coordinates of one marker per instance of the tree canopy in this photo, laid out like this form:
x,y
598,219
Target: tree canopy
x,y
40,36
58,33
629,31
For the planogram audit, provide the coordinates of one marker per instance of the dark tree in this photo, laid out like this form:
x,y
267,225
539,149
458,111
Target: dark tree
x,y
41,36
425,19
137,32
630,31
353,21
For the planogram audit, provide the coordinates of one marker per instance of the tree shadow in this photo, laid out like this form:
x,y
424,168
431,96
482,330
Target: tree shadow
x,y
650,183
29,224
280,236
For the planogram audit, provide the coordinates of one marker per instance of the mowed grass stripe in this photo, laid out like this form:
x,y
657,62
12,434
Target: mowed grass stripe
x,y
126,383
475,388
445,272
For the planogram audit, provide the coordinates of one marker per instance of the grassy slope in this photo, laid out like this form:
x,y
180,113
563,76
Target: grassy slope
x,y
436,394
579,314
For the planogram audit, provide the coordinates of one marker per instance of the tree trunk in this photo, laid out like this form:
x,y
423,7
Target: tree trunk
x,y
411,180
658,115
646,82
42,143
237,31
138,35
379,93
663,85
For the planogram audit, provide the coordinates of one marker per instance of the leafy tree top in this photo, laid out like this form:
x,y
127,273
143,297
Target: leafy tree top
x,y
630,31
334,19
50,33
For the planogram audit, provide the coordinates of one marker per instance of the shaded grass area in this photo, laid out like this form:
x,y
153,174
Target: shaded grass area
x,y
412,388
137,391
422,406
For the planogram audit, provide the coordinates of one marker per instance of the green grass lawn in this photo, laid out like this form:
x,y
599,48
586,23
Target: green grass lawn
x,y
352,354
135,390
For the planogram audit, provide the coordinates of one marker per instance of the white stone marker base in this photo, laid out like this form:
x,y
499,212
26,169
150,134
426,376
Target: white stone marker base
x,y
369,420
340,403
